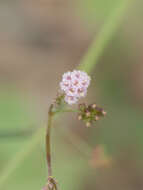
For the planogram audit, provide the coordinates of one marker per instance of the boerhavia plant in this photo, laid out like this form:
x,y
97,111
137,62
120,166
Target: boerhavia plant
x,y
73,87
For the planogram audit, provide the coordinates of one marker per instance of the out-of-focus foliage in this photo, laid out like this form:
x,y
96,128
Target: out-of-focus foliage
x,y
13,112
97,10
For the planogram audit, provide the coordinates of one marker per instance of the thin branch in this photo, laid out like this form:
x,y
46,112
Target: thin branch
x,y
48,141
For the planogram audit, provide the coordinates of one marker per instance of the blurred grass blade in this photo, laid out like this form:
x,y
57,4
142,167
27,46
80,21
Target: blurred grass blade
x,y
87,64
99,44
21,155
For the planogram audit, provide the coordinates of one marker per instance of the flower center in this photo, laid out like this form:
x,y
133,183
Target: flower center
x,y
71,90
68,77
76,83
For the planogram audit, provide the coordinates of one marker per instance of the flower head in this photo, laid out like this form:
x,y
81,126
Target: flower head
x,y
74,84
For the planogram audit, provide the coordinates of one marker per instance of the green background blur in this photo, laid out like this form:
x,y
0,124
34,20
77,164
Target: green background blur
x,y
39,41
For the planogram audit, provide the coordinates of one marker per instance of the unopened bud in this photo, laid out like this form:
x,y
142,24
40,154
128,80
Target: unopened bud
x,y
94,106
104,112
88,114
88,124
82,107
96,118
79,117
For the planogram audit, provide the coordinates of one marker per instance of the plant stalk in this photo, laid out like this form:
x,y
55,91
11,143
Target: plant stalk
x,y
48,141
52,184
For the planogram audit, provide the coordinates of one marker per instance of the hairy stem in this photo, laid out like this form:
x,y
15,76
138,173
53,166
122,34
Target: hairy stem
x,y
52,184
48,136
48,141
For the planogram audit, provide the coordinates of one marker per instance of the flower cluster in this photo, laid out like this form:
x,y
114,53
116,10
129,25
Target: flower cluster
x,y
74,85
90,114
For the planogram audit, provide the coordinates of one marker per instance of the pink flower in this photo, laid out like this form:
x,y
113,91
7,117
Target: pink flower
x,y
74,84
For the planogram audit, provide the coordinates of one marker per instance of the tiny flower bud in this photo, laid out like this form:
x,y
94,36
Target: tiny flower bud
x,y
99,109
82,107
79,117
88,113
88,124
94,106
104,112
96,118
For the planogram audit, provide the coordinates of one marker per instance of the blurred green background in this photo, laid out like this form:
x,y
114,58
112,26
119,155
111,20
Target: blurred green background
x,y
42,39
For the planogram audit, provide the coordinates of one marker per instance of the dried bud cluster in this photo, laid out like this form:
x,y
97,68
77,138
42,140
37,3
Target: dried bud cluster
x,y
90,114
